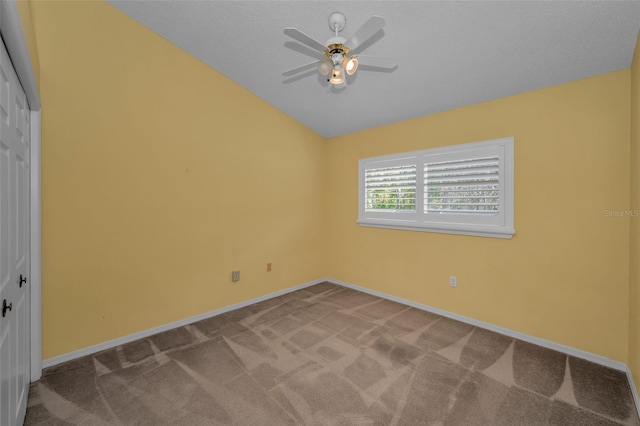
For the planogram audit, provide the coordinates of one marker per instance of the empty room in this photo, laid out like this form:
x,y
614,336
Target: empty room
x,y
319,213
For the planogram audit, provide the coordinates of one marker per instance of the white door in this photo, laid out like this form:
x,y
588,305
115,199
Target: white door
x,y
14,246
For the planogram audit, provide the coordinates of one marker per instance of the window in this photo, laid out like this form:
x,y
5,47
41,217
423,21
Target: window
x,y
461,189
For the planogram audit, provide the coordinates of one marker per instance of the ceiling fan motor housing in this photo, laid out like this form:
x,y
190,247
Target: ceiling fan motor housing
x,y
336,49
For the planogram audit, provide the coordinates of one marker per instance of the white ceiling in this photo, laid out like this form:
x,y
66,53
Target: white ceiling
x,y
450,53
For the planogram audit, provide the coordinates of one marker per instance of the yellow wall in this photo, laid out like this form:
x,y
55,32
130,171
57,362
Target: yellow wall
x,y
564,275
160,176
634,248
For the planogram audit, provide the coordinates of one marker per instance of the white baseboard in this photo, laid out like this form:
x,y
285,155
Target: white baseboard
x,y
634,391
145,333
617,365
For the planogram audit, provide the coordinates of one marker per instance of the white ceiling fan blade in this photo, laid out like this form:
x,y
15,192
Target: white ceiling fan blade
x,y
377,61
298,35
301,68
365,32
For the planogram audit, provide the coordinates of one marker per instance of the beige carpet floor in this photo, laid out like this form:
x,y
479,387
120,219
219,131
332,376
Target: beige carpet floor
x,y
329,355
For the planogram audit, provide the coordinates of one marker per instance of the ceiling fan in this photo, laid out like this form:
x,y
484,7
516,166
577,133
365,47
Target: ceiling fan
x,y
338,58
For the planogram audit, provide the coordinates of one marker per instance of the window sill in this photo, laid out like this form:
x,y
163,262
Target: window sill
x,y
445,228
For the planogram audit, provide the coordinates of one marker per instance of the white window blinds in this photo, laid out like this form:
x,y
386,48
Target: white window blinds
x,y
469,186
390,188
462,189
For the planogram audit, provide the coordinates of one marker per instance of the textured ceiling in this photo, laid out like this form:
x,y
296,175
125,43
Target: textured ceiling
x,y
450,53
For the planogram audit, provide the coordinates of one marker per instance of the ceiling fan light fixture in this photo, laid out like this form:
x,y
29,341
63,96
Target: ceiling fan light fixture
x,y
325,67
350,65
337,76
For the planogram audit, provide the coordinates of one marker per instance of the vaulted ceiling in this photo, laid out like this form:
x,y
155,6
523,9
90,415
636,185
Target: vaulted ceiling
x,y
449,53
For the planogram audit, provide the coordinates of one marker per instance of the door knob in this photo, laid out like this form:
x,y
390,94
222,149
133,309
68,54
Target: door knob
x,y
23,280
6,307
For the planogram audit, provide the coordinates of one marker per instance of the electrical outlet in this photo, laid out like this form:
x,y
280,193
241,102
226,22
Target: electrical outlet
x,y
453,281
235,275
269,267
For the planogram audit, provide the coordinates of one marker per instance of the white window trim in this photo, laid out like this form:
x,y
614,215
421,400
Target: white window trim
x,y
420,221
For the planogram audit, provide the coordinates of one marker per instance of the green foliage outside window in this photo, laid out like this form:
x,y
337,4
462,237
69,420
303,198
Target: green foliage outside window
x,y
468,198
391,199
